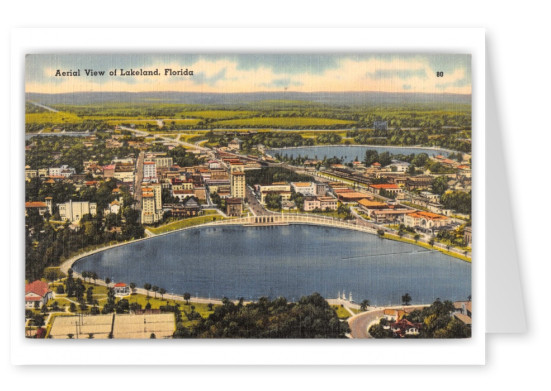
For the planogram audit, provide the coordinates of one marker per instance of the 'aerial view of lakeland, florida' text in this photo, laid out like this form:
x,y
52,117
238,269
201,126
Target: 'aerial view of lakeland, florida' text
x,y
262,195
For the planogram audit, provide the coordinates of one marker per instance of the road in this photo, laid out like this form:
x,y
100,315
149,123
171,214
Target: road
x,y
142,133
254,204
138,182
359,323
44,107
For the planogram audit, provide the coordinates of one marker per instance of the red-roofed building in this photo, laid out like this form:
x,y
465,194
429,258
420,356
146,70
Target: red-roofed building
x,y
425,219
405,327
37,294
121,289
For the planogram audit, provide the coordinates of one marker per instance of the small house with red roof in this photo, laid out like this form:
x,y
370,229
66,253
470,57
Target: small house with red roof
x,y
404,327
121,289
37,292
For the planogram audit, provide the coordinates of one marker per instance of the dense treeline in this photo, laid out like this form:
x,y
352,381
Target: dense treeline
x,y
57,150
268,175
48,246
268,139
458,200
311,317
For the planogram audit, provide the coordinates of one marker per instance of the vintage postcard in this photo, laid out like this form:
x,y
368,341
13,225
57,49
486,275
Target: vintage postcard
x,y
265,195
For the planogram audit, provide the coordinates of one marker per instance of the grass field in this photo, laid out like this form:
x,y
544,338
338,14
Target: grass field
x,y
283,122
427,246
217,114
190,222
342,313
49,117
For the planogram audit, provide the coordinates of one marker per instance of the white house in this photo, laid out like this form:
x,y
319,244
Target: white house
x,y
400,165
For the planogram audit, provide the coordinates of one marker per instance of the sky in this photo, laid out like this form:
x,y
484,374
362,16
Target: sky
x,y
238,73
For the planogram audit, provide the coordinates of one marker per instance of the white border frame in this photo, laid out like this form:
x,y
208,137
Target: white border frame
x,y
245,352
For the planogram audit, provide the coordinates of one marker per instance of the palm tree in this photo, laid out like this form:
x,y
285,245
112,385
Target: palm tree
x,y
132,286
162,291
187,296
364,305
155,289
406,299
147,287
416,237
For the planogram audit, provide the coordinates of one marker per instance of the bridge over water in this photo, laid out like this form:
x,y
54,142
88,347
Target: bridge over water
x,y
294,218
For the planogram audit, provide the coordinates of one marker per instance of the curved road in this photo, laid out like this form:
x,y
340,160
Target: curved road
x,y
359,323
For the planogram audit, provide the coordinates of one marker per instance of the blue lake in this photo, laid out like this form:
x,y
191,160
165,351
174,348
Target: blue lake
x,y
290,261
350,152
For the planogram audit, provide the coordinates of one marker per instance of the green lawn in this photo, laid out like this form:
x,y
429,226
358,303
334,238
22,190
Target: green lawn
x,y
427,246
189,222
342,313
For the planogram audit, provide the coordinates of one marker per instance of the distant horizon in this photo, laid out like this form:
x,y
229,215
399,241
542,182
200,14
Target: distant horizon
x,y
247,93
248,73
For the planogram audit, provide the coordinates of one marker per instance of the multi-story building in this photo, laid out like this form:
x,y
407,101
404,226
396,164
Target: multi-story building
x,y
390,188
238,184
304,188
164,161
328,203
152,206
74,210
64,170
425,220
149,171
30,174
124,171
281,188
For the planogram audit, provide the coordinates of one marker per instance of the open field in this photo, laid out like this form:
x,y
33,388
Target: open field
x,y
65,327
49,117
282,122
122,326
217,114
132,326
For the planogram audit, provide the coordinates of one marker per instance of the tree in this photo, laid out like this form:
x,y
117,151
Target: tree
x,y
155,289
187,296
440,185
406,299
371,156
381,232
147,287
431,241
132,286
73,307
162,291
364,305
273,201
416,237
